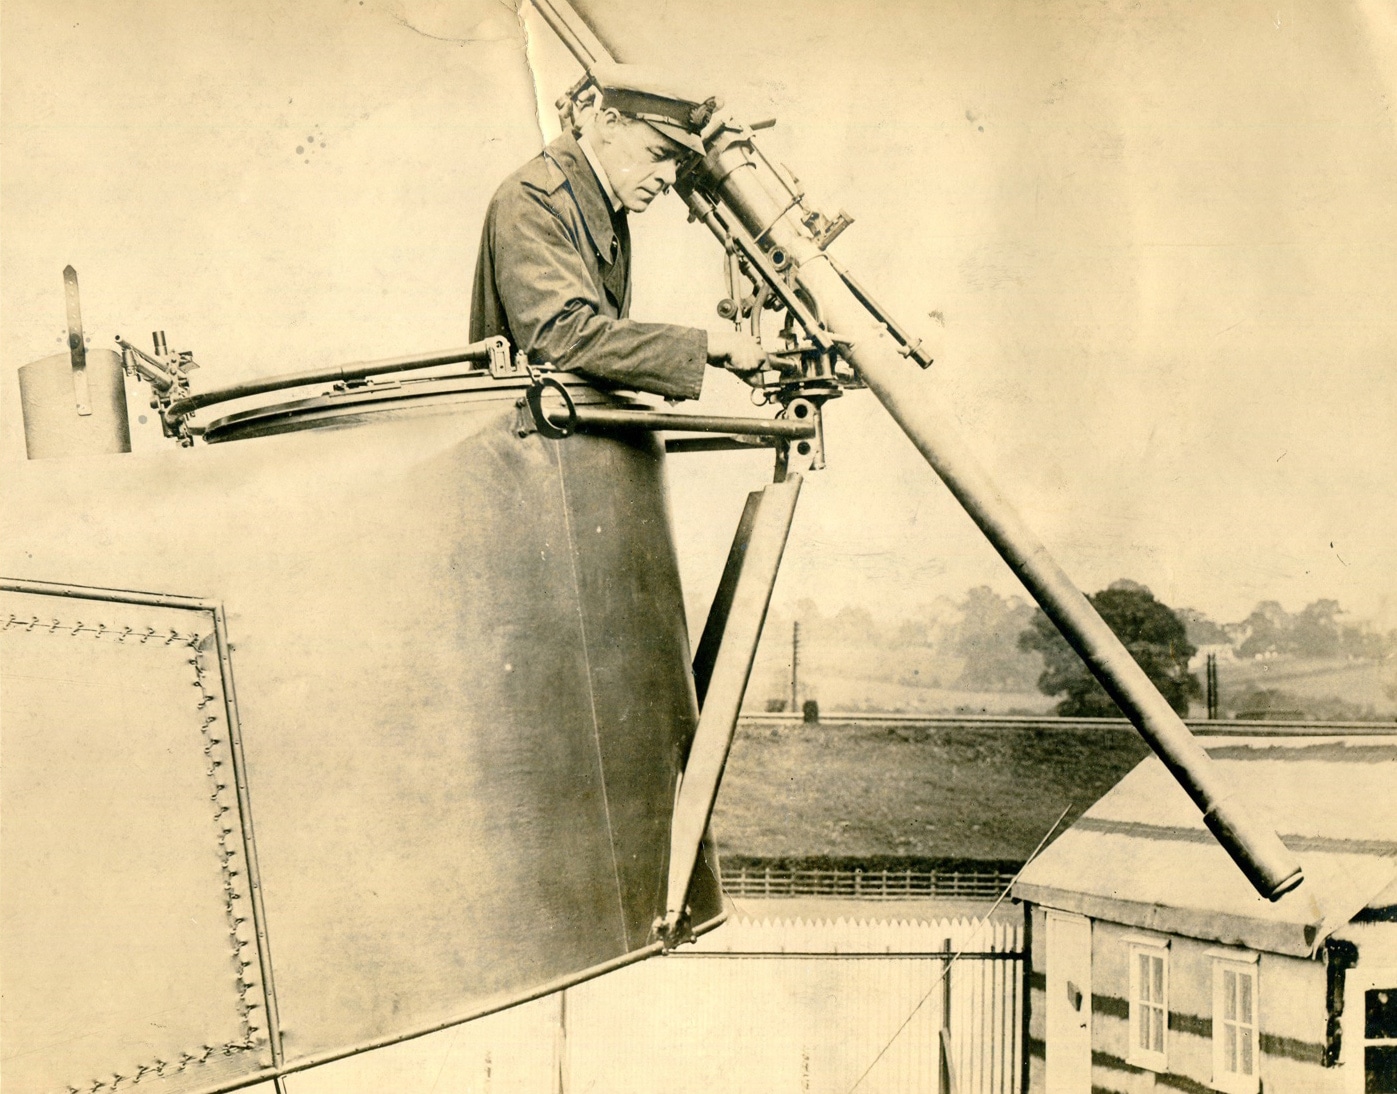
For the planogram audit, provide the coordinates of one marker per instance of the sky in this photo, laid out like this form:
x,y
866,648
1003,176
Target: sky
x,y
1154,245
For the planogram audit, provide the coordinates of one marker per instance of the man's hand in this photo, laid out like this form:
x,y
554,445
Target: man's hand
x,y
735,351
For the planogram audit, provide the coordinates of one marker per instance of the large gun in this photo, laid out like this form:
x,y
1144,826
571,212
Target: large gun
x,y
835,336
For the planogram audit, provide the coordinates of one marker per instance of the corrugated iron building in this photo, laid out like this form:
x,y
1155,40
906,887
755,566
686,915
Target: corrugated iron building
x,y
1154,965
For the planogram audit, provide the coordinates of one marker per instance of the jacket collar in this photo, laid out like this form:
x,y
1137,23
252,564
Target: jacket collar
x,y
612,201
587,191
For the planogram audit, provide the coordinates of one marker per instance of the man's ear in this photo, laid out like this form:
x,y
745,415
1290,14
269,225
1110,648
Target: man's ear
x,y
607,120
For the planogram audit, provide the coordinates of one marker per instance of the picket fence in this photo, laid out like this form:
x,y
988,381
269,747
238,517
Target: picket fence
x,y
759,1006
960,881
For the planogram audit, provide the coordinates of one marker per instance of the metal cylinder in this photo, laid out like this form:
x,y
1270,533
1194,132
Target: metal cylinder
x,y
752,191
52,425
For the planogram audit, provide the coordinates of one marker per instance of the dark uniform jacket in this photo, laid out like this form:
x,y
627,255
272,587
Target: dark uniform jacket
x,y
553,276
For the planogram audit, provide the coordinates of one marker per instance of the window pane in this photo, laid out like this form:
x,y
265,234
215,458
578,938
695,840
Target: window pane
x,y
1143,1034
1157,1040
1380,1013
1144,960
1229,995
1245,1037
1380,1069
1157,968
1230,1048
1244,983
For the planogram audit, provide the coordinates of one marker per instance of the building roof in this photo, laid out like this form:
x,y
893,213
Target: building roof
x,y
1141,855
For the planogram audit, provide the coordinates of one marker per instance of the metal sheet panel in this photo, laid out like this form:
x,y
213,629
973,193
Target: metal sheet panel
x,y
53,426
643,697
463,708
126,929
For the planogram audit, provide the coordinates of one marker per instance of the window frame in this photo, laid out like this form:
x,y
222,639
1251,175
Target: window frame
x,y
1149,1058
1358,981
1235,1082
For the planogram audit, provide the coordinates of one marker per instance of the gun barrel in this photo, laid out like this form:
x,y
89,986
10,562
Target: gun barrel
x,y
581,41
737,178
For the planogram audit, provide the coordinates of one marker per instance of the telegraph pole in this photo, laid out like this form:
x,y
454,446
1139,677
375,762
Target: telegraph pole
x,y
795,667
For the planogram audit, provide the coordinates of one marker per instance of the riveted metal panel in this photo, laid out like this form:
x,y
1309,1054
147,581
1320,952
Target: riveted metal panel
x,y
127,931
463,709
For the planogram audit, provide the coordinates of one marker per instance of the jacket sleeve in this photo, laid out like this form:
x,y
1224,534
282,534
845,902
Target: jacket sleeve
x,y
556,315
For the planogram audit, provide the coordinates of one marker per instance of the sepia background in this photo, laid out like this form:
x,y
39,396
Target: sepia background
x,y
1155,247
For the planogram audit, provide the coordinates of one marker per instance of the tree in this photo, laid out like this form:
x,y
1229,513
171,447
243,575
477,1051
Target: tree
x,y
1267,629
986,639
1154,635
1201,630
1316,631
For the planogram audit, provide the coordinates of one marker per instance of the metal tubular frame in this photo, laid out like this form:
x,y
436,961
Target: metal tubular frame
x,y
596,417
601,419
476,352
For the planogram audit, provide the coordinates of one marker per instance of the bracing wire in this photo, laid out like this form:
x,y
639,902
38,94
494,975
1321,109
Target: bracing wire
x,y
946,966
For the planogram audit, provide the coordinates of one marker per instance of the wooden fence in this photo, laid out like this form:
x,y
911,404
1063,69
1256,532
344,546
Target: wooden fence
x,y
787,1006
963,881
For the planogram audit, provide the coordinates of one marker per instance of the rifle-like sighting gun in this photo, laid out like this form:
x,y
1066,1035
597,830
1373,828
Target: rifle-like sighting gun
x,y
809,362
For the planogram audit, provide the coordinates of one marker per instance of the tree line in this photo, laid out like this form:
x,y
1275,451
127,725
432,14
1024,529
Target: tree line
x,y
985,642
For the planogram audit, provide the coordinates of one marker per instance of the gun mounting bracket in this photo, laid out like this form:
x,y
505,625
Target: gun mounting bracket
x,y
800,428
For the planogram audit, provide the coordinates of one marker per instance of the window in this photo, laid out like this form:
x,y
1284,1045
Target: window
x,y
1149,1005
1380,1040
1235,1048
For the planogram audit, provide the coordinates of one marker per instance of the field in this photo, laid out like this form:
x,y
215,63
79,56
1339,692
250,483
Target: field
x,y
866,793
1335,688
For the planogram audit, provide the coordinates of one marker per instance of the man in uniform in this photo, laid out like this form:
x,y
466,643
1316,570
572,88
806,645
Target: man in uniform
x,y
553,274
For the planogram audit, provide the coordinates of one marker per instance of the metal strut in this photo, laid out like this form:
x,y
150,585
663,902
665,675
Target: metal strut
x,y
77,347
722,667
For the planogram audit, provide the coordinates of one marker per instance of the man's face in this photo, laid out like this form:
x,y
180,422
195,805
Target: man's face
x,y
640,161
